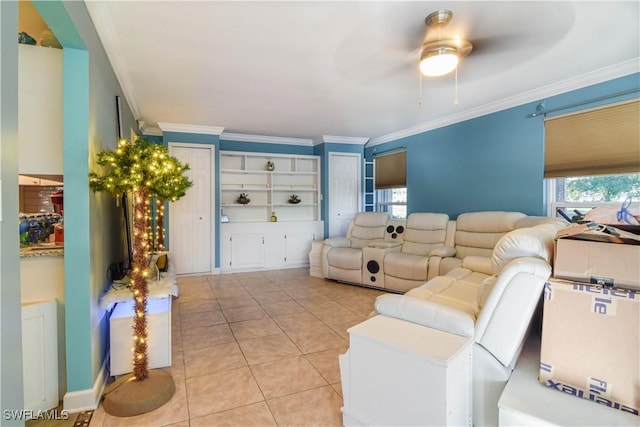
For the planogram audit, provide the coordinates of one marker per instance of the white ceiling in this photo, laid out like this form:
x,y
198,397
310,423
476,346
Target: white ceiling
x,y
349,68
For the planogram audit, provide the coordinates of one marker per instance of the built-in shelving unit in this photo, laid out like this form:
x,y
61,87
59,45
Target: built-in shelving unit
x,y
250,240
269,190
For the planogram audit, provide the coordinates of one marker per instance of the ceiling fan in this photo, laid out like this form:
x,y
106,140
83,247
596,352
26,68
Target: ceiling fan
x,y
440,56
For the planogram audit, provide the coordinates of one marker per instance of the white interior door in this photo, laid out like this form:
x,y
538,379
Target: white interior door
x,y
344,191
191,217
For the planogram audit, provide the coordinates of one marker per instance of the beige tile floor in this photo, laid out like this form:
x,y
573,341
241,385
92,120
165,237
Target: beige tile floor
x,y
257,349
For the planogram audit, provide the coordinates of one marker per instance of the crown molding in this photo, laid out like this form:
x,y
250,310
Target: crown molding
x,y
242,137
178,127
150,130
332,139
599,76
103,23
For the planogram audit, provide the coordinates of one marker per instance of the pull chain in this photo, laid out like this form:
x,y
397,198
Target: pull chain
x,y
455,96
420,87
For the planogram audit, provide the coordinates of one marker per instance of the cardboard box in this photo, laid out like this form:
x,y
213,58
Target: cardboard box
x,y
616,264
591,343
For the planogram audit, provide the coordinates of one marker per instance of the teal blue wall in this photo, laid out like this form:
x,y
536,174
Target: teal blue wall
x,y
78,304
93,231
11,390
493,162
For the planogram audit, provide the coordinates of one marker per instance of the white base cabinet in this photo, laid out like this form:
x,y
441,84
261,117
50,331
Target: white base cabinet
x,y
398,373
267,245
40,355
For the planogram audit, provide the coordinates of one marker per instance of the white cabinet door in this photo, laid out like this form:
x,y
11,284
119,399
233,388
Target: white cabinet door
x,y
298,246
344,191
191,217
247,250
40,355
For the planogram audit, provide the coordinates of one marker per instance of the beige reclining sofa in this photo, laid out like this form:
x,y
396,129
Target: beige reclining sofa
x,y
400,255
443,352
342,256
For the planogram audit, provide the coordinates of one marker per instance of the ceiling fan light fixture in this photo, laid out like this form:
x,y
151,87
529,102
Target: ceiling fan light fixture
x,y
439,61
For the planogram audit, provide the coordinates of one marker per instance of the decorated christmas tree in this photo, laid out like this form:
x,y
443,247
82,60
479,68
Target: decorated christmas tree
x,y
144,170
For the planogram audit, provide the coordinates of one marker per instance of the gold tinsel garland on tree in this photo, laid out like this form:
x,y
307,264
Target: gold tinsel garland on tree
x,y
139,284
146,170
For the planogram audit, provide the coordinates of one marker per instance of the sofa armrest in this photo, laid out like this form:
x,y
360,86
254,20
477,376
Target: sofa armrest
x,y
338,242
435,259
443,251
426,313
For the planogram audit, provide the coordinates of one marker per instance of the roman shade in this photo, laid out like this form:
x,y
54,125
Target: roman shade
x,y
391,170
604,140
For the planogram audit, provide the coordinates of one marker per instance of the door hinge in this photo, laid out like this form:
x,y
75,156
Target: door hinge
x,y
263,240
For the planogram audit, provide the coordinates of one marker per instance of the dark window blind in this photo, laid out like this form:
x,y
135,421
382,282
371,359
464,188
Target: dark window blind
x,y
391,170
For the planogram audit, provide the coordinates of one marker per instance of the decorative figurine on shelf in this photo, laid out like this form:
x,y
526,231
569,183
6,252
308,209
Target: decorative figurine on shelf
x,y
294,199
243,199
25,38
270,166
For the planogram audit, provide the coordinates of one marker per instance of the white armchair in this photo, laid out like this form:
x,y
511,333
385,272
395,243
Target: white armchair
x,y
491,309
342,256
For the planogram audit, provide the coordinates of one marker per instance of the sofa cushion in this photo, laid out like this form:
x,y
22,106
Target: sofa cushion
x,y
366,227
411,267
479,264
478,232
345,258
458,291
424,232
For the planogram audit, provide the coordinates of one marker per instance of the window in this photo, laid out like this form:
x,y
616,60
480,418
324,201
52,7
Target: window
x,y
393,201
572,197
391,183
592,158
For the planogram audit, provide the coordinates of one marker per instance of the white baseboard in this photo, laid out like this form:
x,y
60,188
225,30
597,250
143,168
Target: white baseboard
x,y
89,399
